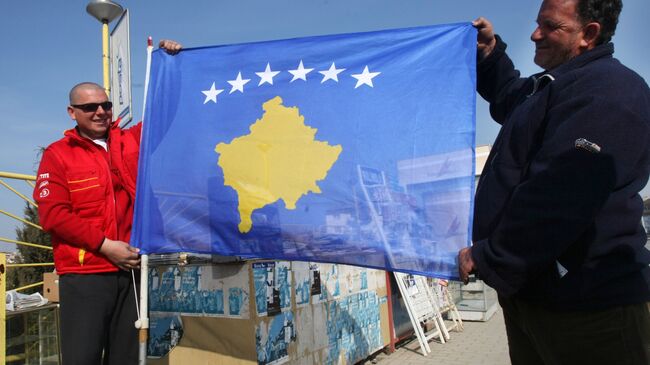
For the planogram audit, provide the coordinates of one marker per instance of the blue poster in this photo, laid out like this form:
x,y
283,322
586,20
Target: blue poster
x,y
199,291
165,332
355,149
272,287
272,340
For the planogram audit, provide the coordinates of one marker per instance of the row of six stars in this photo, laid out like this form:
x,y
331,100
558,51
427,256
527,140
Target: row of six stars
x,y
364,78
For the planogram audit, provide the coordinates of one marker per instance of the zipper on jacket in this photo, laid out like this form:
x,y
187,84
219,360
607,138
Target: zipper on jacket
x,y
110,178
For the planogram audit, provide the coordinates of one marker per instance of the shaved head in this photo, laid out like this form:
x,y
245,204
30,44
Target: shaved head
x,y
89,107
74,92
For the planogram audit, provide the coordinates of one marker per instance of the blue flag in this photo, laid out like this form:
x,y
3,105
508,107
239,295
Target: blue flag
x,y
354,149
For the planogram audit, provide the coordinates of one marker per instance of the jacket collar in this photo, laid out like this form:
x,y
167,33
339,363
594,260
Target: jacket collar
x,y
74,132
541,79
602,51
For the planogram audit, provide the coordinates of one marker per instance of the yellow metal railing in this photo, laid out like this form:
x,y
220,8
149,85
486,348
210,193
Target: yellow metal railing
x,y
30,286
3,314
29,179
31,265
16,191
25,243
21,219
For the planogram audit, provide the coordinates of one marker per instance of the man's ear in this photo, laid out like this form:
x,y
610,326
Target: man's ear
x,y
590,34
71,113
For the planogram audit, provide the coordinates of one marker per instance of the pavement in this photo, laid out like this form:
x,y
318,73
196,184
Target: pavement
x,y
480,343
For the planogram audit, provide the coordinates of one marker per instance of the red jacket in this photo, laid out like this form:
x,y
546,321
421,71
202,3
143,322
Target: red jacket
x,y
85,194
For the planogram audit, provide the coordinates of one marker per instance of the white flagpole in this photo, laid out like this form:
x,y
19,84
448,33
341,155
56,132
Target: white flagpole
x,y
143,322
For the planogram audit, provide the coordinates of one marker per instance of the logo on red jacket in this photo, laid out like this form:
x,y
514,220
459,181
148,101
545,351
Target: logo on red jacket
x,y
44,193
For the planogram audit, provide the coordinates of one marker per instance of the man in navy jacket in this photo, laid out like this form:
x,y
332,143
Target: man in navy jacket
x,y
557,225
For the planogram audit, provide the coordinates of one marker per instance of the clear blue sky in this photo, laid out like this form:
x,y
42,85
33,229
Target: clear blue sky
x,y
50,46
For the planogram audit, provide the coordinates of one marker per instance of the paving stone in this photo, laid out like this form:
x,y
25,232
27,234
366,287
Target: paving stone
x,y
480,343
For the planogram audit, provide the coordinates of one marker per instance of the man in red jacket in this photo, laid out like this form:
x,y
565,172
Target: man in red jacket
x,y
85,190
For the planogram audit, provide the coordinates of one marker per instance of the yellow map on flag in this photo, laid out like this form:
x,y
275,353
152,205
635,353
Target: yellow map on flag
x,y
278,160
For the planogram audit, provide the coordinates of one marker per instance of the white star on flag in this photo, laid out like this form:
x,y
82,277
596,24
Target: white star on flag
x,y
331,74
267,75
238,84
365,78
300,73
211,95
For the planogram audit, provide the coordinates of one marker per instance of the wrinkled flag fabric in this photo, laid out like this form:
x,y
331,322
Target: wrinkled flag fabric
x,y
355,149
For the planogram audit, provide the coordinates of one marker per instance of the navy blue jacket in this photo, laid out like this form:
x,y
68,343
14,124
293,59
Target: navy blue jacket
x,y
557,214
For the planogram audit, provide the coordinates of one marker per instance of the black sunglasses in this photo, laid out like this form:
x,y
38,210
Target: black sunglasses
x,y
92,107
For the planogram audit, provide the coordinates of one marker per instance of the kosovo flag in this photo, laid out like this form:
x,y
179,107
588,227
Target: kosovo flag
x,y
355,149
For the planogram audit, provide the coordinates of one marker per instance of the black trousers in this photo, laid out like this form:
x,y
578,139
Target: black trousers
x,y
536,335
97,319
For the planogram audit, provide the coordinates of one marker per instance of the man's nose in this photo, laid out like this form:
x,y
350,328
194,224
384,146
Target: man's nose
x,y
537,35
